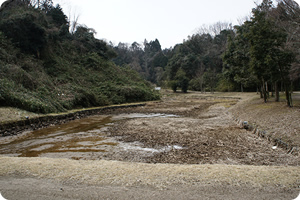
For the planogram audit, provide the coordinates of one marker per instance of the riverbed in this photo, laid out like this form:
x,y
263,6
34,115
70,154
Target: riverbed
x,y
191,130
79,139
127,153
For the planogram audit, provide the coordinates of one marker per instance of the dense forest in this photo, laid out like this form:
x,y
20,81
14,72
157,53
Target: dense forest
x,y
262,54
46,65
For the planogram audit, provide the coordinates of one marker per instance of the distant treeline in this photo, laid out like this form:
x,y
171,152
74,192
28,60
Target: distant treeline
x,y
262,54
50,64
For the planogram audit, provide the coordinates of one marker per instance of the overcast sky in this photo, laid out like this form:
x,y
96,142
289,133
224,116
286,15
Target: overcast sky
x,y
170,21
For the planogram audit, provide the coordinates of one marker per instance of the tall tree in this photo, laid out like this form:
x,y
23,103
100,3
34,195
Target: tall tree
x,y
236,59
266,42
286,15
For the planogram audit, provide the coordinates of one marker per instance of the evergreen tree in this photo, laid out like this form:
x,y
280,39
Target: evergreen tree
x,y
266,47
236,59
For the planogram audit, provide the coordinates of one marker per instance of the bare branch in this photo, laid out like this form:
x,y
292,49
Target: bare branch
x,y
214,29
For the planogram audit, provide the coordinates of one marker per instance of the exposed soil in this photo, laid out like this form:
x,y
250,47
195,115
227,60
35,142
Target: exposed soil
x,y
198,151
204,132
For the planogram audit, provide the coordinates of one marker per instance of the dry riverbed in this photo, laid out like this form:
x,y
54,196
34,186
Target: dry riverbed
x,y
186,146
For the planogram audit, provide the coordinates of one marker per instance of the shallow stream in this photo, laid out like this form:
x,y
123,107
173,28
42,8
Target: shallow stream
x,y
80,139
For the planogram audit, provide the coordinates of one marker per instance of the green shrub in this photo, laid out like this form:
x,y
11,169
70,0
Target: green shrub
x,y
173,85
48,73
14,96
195,84
225,86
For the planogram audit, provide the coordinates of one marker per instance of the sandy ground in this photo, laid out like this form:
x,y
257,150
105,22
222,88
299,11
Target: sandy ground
x,y
213,158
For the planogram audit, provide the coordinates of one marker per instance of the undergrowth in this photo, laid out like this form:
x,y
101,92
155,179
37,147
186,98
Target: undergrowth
x,y
68,71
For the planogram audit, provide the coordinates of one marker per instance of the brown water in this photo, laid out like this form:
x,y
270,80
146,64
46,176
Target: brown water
x,y
74,139
78,139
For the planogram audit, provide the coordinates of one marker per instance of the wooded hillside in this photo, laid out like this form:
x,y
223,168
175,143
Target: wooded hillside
x,y
47,66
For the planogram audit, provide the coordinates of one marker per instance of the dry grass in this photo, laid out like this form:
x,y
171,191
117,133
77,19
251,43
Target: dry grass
x,y
154,175
8,114
276,118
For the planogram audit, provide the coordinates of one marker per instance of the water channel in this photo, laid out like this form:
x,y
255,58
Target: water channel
x,y
79,139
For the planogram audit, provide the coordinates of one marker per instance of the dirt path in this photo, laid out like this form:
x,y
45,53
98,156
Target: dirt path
x,y
29,189
224,161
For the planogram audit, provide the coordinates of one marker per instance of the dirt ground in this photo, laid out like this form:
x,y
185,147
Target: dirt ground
x,y
198,152
204,131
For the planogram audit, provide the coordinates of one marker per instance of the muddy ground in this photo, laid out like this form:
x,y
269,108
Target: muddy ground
x,y
203,131
198,151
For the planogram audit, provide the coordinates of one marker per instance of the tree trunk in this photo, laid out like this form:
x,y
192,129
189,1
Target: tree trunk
x,y
288,95
261,92
276,92
267,90
265,96
264,90
272,89
201,85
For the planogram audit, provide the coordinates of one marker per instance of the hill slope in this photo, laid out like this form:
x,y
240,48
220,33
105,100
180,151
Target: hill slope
x,y
46,68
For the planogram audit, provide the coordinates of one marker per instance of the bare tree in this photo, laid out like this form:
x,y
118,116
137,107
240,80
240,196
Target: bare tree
x,y
40,3
74,23
214,29
287,17
73,19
